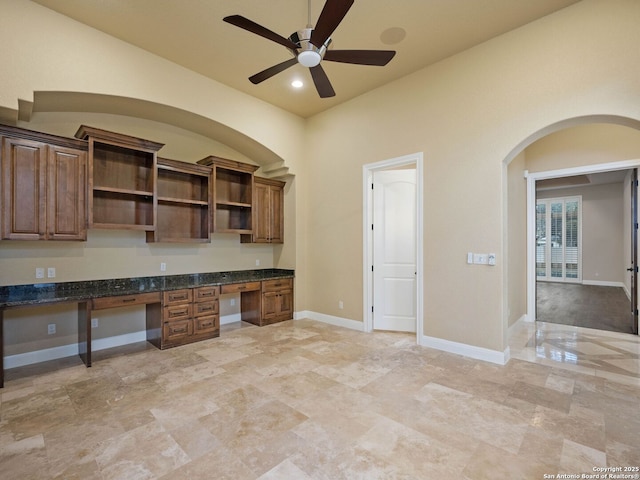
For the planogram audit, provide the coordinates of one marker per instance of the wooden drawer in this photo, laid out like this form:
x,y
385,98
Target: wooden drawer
x,y
203,294
175,312
177,296
206,324
206,308
177,330
277,285
125,300
240,287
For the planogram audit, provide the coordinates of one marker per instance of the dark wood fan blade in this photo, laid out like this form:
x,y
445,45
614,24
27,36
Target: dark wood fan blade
x,y
253,27
323,85
329,19
271,71
360,57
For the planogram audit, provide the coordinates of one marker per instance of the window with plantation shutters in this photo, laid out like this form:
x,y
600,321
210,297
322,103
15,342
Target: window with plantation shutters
x,y
558,242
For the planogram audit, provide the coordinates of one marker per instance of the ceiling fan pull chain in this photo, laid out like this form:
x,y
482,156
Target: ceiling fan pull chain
x,y
309,14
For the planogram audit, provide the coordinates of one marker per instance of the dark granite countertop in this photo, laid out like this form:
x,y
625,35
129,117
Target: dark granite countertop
x,y
46,293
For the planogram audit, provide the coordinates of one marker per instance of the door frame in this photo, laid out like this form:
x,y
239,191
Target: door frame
x,y
634,250
531,215
367,236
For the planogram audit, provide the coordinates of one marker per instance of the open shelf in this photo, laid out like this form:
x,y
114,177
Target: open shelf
x,y
184,197
122,180
117,210
181,222
233,190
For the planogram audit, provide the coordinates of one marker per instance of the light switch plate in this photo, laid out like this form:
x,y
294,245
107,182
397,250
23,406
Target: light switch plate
x,y
480,258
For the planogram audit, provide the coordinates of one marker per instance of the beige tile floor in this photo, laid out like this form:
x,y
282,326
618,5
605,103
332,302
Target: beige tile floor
x,y
305,400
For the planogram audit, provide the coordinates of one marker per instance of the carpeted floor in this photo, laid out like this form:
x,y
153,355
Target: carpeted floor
x,y
589,306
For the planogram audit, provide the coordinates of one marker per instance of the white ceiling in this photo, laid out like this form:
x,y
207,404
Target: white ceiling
x,y
191,33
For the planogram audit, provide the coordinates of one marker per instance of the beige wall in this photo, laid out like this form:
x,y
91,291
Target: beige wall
x,y
602,230
467,114
583,145
516,282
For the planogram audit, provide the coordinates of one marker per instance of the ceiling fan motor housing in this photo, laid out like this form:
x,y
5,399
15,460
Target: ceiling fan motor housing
x,y
307,53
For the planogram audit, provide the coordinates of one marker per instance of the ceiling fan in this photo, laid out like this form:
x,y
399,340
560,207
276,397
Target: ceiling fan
x,y
309,46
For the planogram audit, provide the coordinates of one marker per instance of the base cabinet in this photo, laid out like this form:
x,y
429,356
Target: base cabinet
x,y
190,315
277,300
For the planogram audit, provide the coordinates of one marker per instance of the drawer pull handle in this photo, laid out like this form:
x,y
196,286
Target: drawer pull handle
x,y
179,330
207,294
128,300
206,309
242,287
208,324
177,314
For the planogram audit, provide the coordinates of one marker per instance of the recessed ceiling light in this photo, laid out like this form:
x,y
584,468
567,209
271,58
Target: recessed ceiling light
x,y
297,84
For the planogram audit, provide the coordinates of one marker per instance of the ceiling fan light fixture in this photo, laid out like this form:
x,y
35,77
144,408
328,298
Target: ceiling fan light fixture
x,y
309,58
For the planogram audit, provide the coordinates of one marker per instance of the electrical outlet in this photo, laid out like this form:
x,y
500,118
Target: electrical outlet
x,y
51,328
94,323
340,304
39,272
51,272
163,267
232,302
257,262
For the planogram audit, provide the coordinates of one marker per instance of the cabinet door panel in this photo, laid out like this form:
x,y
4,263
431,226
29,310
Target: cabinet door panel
x,y
66,202
269,305
262,215
24,187
285,305
276,210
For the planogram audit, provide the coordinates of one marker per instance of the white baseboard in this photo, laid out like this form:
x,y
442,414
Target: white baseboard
x,y
29,358
232,318
471,351
330,319
477,353
601,283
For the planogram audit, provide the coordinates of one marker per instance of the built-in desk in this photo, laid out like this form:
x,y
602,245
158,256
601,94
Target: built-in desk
x,y
100,294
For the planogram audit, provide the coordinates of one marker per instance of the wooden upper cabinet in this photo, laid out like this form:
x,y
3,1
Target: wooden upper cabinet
x,y
66,194
122,180
184,197
233,195
43,186
268,212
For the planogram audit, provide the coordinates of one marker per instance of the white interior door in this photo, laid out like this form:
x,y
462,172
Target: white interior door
x,y
394,250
